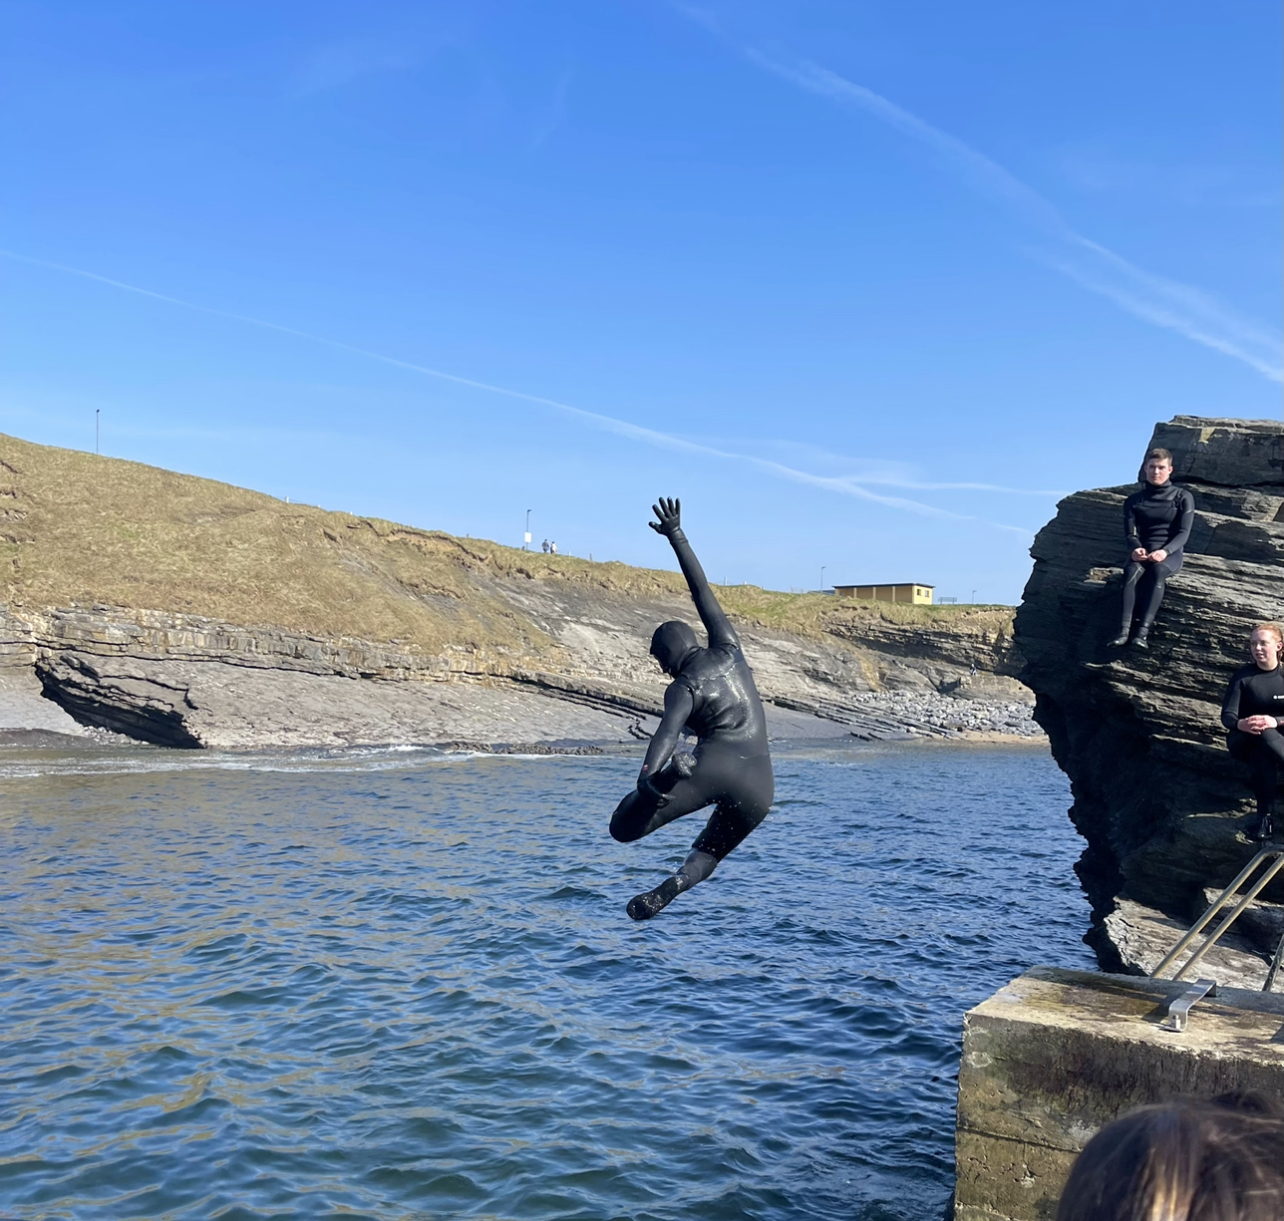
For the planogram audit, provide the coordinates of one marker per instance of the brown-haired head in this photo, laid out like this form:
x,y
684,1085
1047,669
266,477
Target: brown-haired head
x,y
1273,628
1157,454
1184,1161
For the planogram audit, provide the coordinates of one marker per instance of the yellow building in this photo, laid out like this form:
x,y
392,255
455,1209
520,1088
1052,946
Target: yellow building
x,y
920,595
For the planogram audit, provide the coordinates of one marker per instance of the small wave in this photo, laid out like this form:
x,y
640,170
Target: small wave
x,y
143,760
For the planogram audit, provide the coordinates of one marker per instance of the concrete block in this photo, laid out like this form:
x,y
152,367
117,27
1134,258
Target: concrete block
x,y
1054,1055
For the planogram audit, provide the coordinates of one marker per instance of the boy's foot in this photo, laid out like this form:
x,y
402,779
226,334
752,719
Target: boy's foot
x,y
653,902
1264,830
1119,641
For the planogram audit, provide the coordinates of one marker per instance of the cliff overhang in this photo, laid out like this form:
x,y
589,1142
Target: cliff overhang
x,y
1162,806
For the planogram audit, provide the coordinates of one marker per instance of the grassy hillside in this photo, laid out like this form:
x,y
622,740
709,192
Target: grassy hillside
x,y
75,527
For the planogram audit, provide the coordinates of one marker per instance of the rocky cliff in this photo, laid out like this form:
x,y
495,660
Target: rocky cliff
x,y
1162,806
186,612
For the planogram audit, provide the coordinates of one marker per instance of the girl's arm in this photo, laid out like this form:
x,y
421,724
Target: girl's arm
x,y
1230,706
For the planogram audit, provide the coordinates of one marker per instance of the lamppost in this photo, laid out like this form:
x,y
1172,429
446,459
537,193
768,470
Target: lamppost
x,y
527,539
822,578
97,450
973,598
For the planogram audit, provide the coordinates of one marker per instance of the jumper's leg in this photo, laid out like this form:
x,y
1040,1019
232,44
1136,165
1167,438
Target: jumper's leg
x,y
698,866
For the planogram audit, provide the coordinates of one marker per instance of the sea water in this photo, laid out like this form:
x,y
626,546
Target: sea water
x,y
402,984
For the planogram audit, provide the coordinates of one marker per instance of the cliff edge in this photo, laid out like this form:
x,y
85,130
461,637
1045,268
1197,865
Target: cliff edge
x,y
186,612
1161,804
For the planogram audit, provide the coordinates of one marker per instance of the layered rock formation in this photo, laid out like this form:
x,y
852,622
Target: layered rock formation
x,y
1161,804
185,612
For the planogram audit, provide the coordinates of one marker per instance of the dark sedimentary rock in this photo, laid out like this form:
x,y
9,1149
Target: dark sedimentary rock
x,y
1160,802
188,680
184,611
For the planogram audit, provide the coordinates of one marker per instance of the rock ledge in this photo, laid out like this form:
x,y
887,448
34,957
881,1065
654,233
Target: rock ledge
x,y
1161,804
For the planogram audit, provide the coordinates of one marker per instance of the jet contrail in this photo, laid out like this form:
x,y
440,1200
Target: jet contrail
x,y
1155,299
843,485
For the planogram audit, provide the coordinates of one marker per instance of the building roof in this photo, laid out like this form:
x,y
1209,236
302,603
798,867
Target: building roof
x,y
880,584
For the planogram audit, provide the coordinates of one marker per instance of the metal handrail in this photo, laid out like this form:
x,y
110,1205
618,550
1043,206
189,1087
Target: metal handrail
x,y
1276,962
1225,897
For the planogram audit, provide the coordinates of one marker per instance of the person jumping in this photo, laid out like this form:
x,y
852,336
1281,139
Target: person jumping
x,y
712,696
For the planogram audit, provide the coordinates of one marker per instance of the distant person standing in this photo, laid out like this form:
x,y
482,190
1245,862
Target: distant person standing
x,y
545,546
552,547
1157,522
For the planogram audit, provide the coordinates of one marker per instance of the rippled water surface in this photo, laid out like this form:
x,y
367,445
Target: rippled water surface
x,y
402,985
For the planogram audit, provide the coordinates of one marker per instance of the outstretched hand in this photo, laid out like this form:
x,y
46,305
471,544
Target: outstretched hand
x,y
670,514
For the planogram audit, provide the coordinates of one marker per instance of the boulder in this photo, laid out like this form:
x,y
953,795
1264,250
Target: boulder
x,y
1162,806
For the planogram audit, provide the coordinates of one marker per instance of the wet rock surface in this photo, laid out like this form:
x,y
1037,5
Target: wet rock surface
x,y
1161,804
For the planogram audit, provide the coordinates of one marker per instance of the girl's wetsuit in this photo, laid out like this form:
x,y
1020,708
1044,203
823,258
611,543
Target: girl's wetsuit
x,y
1158,518
1253,692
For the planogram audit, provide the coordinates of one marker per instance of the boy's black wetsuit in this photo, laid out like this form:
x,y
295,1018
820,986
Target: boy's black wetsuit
x,y
1158,518
1253,692
713,697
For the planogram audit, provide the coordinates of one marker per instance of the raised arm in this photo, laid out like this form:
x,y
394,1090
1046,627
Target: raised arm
x,y
711,614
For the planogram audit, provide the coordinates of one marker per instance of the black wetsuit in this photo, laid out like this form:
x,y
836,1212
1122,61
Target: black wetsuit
x,y
1158,518
732,762
1256,692
713,697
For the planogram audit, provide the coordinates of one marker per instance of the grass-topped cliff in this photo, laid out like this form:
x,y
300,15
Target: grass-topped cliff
x,y
78,528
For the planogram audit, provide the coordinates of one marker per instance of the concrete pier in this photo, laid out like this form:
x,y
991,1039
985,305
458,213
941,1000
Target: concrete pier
x,y
1054,1055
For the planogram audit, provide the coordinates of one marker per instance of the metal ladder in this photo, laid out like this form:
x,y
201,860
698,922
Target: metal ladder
x,y
1273,858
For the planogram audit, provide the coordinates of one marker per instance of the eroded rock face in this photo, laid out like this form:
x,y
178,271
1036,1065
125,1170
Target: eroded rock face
x,y
1157,797
184,611
192,681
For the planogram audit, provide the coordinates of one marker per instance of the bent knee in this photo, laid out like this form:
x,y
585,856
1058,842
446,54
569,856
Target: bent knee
x,y
624,830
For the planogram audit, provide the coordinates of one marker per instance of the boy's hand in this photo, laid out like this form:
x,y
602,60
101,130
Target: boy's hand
x,y
670,514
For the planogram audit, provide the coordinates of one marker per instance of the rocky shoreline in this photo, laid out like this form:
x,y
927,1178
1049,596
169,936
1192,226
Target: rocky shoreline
x,y
123,698
185,613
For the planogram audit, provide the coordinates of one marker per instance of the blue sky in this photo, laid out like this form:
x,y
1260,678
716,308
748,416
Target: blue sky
x,y
866,284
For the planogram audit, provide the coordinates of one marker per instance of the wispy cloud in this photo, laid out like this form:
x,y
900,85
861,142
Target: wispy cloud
x,y
882,473
340,63
1163,302
556,113
844,485
1193,184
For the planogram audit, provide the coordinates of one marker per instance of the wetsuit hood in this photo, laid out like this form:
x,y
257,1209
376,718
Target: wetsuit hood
x,y
671,645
